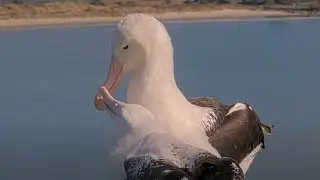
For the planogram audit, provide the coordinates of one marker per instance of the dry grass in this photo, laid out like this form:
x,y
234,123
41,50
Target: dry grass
x,y
119,8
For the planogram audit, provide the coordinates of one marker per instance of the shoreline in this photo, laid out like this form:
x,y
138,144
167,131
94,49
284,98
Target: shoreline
x,y
199,15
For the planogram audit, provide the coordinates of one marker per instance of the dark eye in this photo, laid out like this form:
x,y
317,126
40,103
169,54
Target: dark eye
x,y
126,47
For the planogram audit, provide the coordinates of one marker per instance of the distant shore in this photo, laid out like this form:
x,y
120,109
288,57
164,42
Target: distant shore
x,y
38,16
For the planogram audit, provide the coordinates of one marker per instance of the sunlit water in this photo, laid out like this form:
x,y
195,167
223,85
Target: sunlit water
x,y
50,130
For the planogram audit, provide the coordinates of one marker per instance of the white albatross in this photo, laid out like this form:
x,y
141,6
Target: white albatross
x,y
142,49
152,153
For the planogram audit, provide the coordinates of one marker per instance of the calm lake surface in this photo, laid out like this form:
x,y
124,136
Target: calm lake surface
x,y
49,129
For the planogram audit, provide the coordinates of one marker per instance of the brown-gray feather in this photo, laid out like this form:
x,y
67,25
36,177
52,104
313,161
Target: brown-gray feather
x,y
241,131
219,110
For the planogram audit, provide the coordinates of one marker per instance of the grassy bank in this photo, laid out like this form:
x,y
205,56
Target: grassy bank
x,y
17,15
86,9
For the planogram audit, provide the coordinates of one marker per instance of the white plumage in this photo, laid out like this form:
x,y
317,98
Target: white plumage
x,y
142,49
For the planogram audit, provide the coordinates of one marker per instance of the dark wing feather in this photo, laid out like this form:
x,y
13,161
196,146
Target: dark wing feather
x,y
237,133
146,167
219,110
240,133
209,167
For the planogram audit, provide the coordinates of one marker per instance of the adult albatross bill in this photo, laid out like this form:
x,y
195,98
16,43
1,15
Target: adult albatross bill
x,y
159,155
142,49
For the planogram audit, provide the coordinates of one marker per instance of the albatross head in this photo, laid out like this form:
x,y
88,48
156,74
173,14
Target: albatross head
x,y
137,42
138,120
133,114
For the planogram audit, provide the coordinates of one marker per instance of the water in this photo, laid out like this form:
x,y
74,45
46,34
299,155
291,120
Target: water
x,y
50,130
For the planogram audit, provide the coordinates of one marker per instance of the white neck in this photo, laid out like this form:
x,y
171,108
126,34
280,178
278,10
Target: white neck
x,y
155,79
154,87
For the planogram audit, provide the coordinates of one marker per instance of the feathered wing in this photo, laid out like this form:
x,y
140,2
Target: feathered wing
x,y
217,112
161,156
238,134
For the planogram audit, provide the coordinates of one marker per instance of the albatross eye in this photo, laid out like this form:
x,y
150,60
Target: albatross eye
x,y
125,47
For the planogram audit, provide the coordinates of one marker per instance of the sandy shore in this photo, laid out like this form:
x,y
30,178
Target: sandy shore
x,y
181,16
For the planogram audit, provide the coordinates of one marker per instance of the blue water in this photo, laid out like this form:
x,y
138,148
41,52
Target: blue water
x,y
50,130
